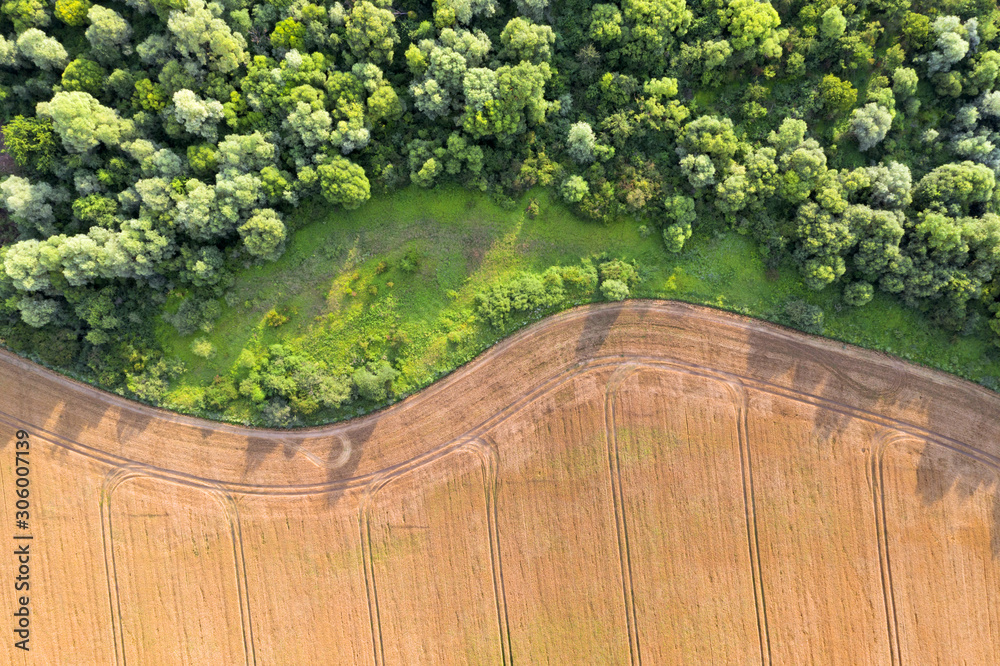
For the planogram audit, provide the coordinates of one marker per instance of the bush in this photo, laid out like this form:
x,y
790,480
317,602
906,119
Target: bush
x,y
522,294
805,317
614,290
373,384
617,269
194,314
858,293
274,319
411,261
221,393
276,413
532,210
203,348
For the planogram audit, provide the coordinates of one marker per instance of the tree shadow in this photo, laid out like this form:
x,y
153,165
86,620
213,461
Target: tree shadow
x,y
597,325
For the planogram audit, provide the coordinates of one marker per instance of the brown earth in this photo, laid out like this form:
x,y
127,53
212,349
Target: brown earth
x,y
646,482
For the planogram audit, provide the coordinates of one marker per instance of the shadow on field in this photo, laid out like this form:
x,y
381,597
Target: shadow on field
x,y
886,386
942,472
345,453
596,327
339,452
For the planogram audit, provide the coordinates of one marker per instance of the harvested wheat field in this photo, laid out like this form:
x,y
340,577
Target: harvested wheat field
x,y
645,482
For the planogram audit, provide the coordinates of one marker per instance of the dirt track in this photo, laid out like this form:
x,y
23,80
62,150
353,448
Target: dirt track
x,y
653,482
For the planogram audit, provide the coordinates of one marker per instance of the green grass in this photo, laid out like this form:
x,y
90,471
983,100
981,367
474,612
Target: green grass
x,y
345,309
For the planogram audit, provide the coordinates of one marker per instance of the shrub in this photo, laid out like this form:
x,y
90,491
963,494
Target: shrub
x,y
203,348
276,413
521,294
373,384
805,317
617,269
274,319
858,293
614,290
532,210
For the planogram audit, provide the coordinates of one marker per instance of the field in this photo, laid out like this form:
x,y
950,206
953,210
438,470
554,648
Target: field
x,y
646,482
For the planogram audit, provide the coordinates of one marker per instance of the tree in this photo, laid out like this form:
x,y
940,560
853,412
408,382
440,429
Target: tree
x,y
30,204
833,24
580,142
108,34
904,82
651,24
44,51
523,40
951,45
201,37
72,12
870,124
953,188
25,14
858,293
824,239
753,27
372,384
837,95
343,182
533,8
605,24
84,75
264,234
890,185
81,121
699,170
288,34
711,135
370,34
198,116
31,142
37,311
574,189
680,216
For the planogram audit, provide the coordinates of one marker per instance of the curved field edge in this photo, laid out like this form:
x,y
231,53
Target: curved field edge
x,y
406,267
711,343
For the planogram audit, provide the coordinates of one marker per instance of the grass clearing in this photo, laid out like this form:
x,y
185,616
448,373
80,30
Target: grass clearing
x,y
397,280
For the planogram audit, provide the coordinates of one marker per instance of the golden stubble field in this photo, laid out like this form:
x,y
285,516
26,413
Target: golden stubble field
x,y
646,482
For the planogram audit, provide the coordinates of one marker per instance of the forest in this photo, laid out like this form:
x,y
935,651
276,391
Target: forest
x,y
158,147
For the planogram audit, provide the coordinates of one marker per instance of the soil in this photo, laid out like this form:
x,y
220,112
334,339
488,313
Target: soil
x,y
646,481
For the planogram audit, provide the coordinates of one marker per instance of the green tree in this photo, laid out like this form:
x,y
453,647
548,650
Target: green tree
x,y
264,234
523,40
838,96
833,24
370,34
81,121
72,12
85,76
870,124
45,52
343,182
109,34
574,189
31,142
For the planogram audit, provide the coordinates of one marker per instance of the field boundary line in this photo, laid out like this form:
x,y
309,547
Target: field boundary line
x,y
740,407
486,449
614,382
595,363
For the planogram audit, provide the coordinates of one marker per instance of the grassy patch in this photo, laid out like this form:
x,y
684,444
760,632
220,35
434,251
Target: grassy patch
x,y
397,279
